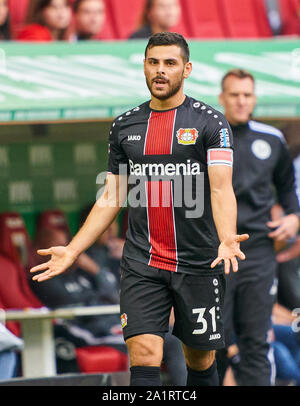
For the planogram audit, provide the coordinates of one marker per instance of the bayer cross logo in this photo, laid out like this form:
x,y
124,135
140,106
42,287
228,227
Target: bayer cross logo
x,y
187,136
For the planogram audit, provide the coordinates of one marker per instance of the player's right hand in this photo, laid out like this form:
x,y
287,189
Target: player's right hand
x,y
61,259
228,252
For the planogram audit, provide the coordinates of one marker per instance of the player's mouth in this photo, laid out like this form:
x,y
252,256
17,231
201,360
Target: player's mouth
x,y
160,83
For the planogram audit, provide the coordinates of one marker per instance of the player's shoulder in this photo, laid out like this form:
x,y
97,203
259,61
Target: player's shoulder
x,y
266,130
206,112
130,115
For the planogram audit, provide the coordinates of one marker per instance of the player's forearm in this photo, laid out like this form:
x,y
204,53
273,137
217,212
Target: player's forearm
x,y
224,210
96,223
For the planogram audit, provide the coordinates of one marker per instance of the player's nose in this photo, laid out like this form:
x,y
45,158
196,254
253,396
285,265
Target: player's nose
x,y
160,69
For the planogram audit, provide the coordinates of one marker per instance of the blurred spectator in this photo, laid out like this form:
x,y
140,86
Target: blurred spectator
x,y
283,16
286,346
47,20
75,287
9,345
89,17
288,252
8,363
273,14
158,16
107,252
5,33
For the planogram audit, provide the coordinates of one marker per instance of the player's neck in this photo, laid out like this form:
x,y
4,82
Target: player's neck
x,y
168,104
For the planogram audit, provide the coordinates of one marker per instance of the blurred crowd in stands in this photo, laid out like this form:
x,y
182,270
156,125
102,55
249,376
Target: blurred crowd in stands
x,y
74,20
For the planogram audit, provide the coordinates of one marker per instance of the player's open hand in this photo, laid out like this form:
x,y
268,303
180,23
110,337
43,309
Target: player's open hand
x,y
228,251
61,259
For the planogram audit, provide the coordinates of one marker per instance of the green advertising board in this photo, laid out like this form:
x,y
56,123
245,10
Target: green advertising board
x,y
99,80
54,166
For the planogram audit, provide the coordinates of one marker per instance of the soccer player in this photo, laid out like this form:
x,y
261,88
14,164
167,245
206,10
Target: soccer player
x,y
262,165
177,247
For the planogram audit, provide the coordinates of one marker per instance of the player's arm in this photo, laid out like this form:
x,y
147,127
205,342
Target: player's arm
x,y
224,208
100,217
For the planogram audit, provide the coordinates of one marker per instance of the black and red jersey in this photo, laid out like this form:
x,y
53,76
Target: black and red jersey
x,y
170,223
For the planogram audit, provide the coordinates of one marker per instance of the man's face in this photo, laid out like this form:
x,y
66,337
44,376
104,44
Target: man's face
x,y
165,13
165,71
90,17
238,99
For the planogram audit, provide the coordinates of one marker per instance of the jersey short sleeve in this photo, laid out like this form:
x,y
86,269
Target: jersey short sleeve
x,y
116,155
219,141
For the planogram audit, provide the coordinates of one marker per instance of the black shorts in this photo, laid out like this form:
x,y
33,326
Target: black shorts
x,y
148,294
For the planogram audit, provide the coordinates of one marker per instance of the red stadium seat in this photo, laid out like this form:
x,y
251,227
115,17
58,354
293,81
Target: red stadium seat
x,y
12,293
125,15
289,10
101,359
54,219
245,19
108,31
15,245
18,14
203,19
14,239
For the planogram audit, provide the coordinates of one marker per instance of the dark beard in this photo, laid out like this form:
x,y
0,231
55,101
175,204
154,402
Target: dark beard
x,y
173,90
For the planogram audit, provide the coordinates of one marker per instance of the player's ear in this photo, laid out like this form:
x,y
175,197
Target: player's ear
x,y
187,70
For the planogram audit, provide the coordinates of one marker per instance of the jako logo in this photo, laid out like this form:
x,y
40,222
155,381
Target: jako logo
x,y
214,336
134,138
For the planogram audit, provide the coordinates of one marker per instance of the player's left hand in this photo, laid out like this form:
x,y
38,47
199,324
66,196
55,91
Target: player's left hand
x,y
228,251
286,227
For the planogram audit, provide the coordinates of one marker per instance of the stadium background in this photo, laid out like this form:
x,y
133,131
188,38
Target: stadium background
x,y
58,99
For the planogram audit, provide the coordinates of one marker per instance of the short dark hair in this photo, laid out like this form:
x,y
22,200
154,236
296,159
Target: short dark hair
x,y
169,38
77,4
238,73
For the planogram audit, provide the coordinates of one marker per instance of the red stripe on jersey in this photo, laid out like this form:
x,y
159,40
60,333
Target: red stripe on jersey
x,y
161,226
160,133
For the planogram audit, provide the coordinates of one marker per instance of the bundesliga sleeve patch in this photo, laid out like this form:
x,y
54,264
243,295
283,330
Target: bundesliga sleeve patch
x,y
220,156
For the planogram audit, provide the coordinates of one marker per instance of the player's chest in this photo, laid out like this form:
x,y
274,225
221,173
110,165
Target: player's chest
x,y
161,135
